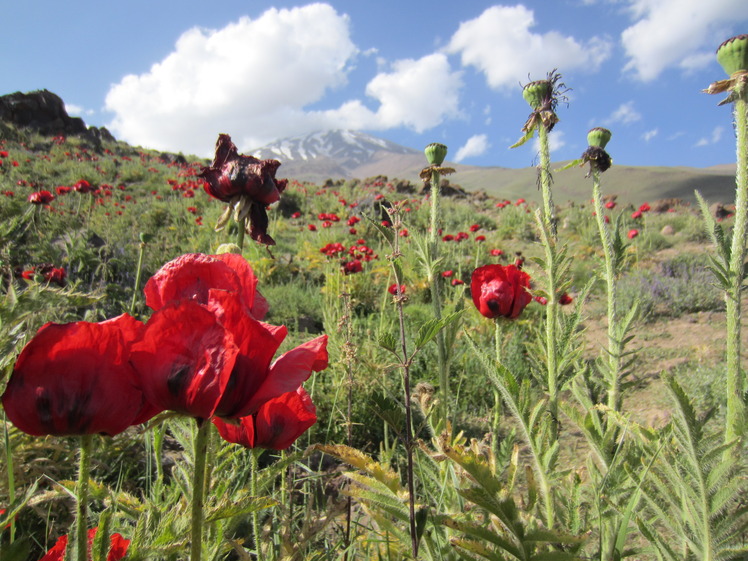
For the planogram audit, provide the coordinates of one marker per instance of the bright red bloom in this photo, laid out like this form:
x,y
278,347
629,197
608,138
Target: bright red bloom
x,y
191,276
610,205
63,190
276,425
76,378
350,267
312,228
447,274
475,227
117,547
204,353
41,198
633,233
645,207
232,175
393,289
636,214
296,215
496,252
500,291
82,186
457,282
480,238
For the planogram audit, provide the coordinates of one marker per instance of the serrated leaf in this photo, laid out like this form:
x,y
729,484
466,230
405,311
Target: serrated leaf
x,y
431,329
359,460
388,342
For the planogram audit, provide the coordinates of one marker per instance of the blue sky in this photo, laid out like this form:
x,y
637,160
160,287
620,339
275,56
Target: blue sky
x,y
172,75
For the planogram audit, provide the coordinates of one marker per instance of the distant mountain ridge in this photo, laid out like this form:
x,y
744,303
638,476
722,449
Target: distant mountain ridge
x,y
345,154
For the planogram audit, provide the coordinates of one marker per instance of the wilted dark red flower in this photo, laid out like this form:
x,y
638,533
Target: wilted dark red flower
x,y
500,291
276,425
350,267
41,198
75,378
245,182
117,547
565,299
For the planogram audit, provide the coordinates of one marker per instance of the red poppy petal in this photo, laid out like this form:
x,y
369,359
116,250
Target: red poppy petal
x,y
241,432
189,276
284,419
185,359
258,305
292,368
74,379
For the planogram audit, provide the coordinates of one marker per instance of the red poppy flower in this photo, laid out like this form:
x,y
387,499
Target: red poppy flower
x,y
457,282
496,252
204,353
41,198
192,275
117,547
351,267
233,177
447,274
500,291
610,204
393,289
75,378
645,207
633,233
636,214
276,425
565,299
82,186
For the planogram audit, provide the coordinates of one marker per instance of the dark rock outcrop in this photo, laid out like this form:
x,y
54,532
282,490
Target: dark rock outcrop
x,y
44,112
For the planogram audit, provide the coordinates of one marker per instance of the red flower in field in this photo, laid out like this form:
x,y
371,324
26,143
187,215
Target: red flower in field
x,y
610,205
56,275
76,378
565,299
117,547
636,214
312,228
63,190
457,282
474,227
480,238
447,274
41,198
82,186
645,208
351,267
500,291
448,238
296,215
276,425
246,183
519,202
633,233
353,220
194,275
204,353
393,289
352,231
542,300
496,252
3,153
404,233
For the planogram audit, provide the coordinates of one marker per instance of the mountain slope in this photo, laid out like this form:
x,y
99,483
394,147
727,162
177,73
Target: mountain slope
x,y
344,154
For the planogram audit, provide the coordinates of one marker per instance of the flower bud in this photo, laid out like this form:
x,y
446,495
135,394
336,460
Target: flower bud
x,y
228,248
598,137
537,93
146,238
733,54
435,153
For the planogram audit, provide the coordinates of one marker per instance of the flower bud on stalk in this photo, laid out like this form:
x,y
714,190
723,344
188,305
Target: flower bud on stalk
x,y
733,54
538,93
595,154
435,153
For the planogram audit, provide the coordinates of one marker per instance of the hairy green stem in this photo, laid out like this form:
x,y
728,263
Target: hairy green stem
x,y
138,274
77,549
614,343
548,223
198,488
11,474
734,423
436,299
255,456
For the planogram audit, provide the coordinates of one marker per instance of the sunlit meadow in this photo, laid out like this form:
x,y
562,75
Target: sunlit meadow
x,y
205,360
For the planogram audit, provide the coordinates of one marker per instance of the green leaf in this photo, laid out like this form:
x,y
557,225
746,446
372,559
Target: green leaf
x,y
388,342
241,506
431,329
571,164
528,135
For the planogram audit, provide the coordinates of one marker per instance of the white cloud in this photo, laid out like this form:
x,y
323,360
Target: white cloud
x,y
624,114
649,135
677,33
476,145
255,79
715,137
77,110
500,43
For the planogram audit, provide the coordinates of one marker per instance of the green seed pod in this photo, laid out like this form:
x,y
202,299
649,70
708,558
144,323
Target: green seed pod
x,y
537,93
146,238
228,248
733,54
598,137
435,153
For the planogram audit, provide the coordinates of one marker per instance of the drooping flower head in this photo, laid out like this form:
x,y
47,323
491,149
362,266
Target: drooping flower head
x,y
247,184
276,425
75,379
595,155
543,97
500,291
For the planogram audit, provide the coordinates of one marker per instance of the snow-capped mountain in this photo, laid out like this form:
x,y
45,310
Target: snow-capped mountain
x,y
334,153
